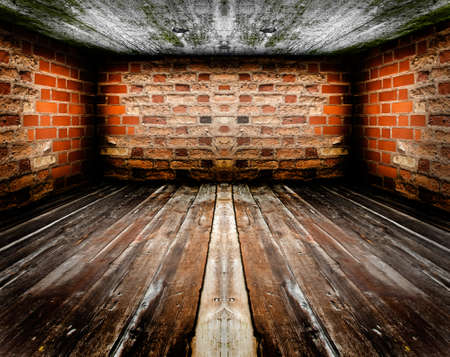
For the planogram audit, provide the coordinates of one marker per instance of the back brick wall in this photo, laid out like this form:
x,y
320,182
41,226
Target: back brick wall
x,y
224,118
401,126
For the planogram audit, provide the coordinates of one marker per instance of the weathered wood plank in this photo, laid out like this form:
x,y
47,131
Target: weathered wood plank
x,y
336,325
415,322
71,283
13,236
110,309
282,316
43,252
224,326
394,246
166,325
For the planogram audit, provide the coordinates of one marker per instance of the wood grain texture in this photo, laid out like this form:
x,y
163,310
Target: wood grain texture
x,y
312,270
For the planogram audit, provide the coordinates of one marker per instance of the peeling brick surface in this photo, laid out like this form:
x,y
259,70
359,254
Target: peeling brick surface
x,y
46,117
402,117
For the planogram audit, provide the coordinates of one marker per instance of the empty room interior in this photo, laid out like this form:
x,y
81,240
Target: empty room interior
x,y
224,178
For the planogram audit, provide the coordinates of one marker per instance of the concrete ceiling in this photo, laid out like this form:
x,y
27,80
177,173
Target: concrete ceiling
x,y
293,27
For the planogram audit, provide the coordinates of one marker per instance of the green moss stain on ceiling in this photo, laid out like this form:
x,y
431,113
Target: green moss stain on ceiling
x,y
225,26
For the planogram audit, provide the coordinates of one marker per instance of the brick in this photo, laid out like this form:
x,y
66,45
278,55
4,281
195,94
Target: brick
x,y
8,120
61,171
418,120
387,121
317,120
44,80
244,76
203,98
372,132
444,56
287,78
440,120
374,85
245,98
387,145
74,85
5,88
403,80
47,133
387,96
372,109
76,132
290,99
242,120
389,70
373,155
387,171
61,70
334,130
76,109
224,87
44,107
157,98
402,107
444,88
130,120
402,133
61,145
30,120
182,88
334,88
60,96
115,130
61,120
203,77
294,120
154,120
337,109
265,87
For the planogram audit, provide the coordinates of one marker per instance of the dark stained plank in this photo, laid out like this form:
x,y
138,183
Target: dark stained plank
x,y
348,321
421,211
428,234
14,236
283,317
107,314
38,255
403,251
16,216
166,325
75,281
411,314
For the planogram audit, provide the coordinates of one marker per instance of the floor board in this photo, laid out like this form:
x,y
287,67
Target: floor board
x,y
225,270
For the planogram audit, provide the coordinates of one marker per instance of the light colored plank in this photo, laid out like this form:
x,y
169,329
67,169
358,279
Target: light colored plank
x,y
224,326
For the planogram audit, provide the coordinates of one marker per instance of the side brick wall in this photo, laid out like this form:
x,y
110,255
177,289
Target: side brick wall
x,y
212,118
47,96
401,125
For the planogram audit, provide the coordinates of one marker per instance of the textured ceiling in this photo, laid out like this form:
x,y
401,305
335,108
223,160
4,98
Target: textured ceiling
x,y
225,26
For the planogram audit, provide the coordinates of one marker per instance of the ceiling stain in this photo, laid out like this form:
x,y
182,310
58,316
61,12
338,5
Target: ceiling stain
x,y
242,27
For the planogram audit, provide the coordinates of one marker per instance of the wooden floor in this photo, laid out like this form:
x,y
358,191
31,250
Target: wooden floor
x,y
304,270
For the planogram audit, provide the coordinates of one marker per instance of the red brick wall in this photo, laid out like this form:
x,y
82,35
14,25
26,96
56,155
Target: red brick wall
x,y
224,118
402,116
47,96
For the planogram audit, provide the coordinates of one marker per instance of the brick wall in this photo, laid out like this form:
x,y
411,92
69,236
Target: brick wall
x,y
402,116
224,118
46,104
